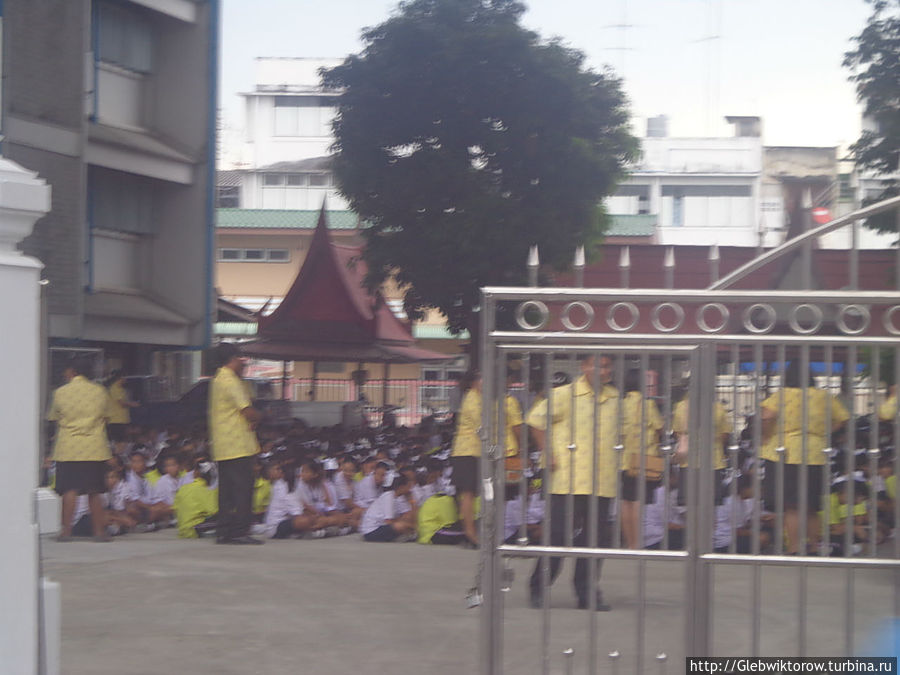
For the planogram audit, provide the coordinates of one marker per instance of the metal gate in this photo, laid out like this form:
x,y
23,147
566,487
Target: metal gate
x,y
756,572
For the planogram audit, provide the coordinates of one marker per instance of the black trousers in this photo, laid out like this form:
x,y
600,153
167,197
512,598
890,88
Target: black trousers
x,y
235,497
558,538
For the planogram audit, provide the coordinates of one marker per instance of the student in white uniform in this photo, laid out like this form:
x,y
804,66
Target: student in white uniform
x,y
161,510
114,502
345,485
369,488
654,517
284,507
322,513
137,488
393,515
430,485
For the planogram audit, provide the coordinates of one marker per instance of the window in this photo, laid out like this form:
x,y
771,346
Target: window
x,y
121,202
319,179
273,179
296,179
126,38
254,255
677,210
279,255
304,115
228,254
228,197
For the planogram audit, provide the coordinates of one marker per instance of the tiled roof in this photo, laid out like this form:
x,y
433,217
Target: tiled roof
x,y
642,225
283,219
229,178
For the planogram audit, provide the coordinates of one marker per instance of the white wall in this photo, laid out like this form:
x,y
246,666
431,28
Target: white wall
x,y
701,155
275,72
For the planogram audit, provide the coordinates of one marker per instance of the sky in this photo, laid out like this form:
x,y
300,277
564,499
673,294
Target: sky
x,y
692,60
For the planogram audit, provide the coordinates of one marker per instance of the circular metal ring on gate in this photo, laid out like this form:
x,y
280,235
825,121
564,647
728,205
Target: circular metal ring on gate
x,y
842,319
768,310
724,314
795,322
588,314
611,316
657,311
888,320
532,304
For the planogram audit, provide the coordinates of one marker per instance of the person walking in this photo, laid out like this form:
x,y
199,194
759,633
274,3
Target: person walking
x,y
575,454
232,421
80,409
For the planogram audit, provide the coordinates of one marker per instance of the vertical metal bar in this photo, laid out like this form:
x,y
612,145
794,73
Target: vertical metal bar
x,y
667,428
850,466
567,656
669,267
533,264
524,459
802,498
624,266
547,475
756,591
733,448
641,494
488,552
692,599
593,523
779,468
896,425
874,451
498,508
703,497
573,449
824,542
713,264
619,448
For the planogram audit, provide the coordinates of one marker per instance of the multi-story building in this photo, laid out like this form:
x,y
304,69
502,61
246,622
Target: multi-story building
x,y
687,190
113,103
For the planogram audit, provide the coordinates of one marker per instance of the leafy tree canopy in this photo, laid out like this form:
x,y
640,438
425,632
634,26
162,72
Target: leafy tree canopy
x,y
875,66
462,138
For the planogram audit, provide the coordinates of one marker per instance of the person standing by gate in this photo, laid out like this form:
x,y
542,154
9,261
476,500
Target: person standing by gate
x,y
786,408
232,420
80,409
467,451
571,463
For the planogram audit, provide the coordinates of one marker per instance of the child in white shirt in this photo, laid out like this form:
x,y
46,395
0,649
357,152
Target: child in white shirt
x,y
369,488
322,514
393,515
284,508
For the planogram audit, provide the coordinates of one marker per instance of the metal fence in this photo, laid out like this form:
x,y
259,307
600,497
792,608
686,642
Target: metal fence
x,y
747,448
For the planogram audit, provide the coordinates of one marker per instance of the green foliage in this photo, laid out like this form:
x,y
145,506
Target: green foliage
x,y
463,139
875,65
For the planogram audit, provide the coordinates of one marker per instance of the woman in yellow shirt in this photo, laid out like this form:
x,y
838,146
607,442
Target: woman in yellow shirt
x,y
632,418
120,405
466,451
789,412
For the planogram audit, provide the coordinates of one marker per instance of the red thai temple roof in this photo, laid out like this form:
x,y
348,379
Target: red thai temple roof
x,y
329,315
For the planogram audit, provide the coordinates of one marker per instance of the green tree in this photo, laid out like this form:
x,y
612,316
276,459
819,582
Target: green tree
x,y
875,66
463,138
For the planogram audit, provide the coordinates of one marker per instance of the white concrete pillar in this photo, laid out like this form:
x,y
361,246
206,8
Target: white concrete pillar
x,y
23,199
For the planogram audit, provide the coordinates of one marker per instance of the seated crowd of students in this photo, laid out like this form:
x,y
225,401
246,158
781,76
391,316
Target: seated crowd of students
x,y
396,486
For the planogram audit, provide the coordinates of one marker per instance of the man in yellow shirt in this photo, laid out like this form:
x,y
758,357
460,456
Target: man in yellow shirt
x,y
80,409
577,463
467,450
232,421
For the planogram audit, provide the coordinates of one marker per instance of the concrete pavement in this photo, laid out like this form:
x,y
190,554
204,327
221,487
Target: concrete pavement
x,y
150,603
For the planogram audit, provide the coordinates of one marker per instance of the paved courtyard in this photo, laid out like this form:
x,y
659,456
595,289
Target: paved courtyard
x,y
154,604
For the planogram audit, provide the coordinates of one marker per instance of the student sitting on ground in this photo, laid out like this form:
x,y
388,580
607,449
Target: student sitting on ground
x,y
837,515
137,488
369,488
393,515
322,515
344,485
284,508
428,485
655,524
196,503
741,521
162,495
438,521
117,519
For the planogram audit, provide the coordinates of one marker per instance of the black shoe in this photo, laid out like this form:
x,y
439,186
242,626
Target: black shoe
x,y
246,539
601,606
